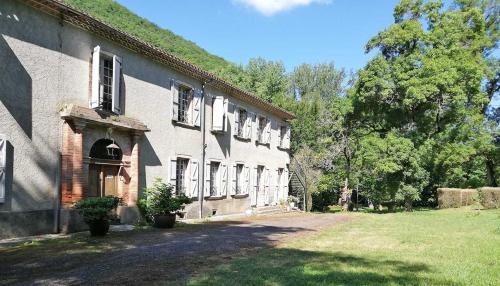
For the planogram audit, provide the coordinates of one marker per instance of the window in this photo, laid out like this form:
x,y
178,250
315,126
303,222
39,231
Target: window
x,y
180,178
106,72
239,179
107,84
241,122
282,135
3,166
260,177
261,131
214,178
185,98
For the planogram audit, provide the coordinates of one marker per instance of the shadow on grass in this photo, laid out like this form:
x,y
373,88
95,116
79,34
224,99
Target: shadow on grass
x,y
297,267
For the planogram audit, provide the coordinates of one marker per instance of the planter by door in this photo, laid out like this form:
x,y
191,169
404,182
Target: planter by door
x,y
99,228
164,221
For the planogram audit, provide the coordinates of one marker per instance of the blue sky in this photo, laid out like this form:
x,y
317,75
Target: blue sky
x,y
323,30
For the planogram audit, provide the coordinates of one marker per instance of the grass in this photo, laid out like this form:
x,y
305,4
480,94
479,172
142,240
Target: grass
x,y
445,247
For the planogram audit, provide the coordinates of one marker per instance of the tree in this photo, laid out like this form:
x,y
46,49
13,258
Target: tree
x,y
430,81
267,79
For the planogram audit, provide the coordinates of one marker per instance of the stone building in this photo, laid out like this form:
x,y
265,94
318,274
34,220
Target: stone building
x,y
87,110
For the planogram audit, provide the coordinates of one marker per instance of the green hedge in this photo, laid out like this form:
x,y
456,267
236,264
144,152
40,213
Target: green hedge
x,y
455,198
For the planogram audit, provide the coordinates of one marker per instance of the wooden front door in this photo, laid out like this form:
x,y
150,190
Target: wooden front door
x,y
103,180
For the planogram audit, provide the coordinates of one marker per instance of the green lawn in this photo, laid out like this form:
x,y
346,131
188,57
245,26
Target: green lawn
x,y
445,247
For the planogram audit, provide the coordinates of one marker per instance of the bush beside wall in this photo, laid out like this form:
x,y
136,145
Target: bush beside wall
x,y
455,198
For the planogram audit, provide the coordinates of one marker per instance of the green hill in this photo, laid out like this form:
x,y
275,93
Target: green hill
x,y
123,19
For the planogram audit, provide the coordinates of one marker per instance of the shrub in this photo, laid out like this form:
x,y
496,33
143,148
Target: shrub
x,y
321,200
159,199
97,209
489,198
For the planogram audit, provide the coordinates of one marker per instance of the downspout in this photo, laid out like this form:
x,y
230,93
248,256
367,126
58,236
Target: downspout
x,y
203,148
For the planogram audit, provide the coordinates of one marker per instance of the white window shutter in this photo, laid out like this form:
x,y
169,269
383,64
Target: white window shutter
x,y
246,185
3,167
253,193
267,180
173,172
268,131
223,179
236,119
277,188
174,91
117,66
96,78
207,179
233,179
196,107
218,113
194,178
285,184
226,104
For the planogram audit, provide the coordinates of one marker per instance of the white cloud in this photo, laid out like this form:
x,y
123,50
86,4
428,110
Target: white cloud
x,y
271,7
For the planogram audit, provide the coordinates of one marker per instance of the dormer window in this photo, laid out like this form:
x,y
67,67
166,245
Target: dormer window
x,y
106,72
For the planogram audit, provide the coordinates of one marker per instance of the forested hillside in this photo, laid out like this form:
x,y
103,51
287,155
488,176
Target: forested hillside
x,y
123,19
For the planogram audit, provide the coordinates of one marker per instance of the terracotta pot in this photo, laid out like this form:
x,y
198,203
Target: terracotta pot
x,y
99,227
164,221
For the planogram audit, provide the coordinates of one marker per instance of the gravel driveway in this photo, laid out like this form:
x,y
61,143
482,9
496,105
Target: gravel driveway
x,y
151,256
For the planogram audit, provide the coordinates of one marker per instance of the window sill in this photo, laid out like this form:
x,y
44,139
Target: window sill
x,y
283,148
215,198
239,196
184,124
217,132
262,143
242,138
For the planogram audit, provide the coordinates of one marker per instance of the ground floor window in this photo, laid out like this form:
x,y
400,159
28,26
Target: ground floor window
x,y
239,178
180,178
214,178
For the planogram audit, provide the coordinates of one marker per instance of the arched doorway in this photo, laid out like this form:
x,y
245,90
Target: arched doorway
x,y
105,161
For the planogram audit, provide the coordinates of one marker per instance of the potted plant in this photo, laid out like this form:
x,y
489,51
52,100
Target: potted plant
x,y
97,212
159,204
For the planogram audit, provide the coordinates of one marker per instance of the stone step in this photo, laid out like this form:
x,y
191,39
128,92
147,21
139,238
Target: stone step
x,y
268,210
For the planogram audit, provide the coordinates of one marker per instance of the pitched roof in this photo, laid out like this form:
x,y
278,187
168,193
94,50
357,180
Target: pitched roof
x,y
81,19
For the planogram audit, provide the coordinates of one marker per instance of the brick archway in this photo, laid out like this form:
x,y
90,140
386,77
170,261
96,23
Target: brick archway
x,y
82,127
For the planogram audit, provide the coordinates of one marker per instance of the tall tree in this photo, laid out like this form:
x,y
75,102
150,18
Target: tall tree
x,y
430,82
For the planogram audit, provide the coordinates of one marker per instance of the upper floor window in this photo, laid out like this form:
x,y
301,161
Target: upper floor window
x,y
106,73
284,136
242,120
186,101
264,130
185,98
243,123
